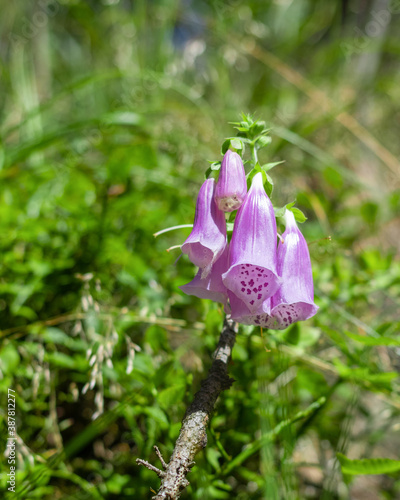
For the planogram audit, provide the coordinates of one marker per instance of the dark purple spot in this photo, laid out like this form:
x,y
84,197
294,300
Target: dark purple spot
x,y
251,282
259,296
243,289
251,302
243,283
248,291
259,288
254,290
247,265
265,285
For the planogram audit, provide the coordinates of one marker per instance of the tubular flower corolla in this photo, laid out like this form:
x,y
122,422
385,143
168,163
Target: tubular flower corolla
x,y
252,275
207,240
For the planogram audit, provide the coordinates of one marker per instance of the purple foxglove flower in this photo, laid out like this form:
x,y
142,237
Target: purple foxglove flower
x,y
231,187
294,301
252,275
207,240
210,287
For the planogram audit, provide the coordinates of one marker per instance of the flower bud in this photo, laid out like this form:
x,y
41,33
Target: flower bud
x,y
231,187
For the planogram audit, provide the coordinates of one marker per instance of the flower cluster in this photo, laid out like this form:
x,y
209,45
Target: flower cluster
x,y
264,283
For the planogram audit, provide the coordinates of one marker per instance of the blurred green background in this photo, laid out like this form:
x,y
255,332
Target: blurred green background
x,y
110,111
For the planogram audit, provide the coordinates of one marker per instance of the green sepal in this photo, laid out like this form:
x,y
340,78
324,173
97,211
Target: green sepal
x,y
262,141
267,181
214,167
298,214
225,146
268,166
236,143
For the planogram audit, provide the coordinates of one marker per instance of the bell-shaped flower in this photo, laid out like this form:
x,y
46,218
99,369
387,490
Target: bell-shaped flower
x,y
294,301
231,186
252,275
210,287
207,240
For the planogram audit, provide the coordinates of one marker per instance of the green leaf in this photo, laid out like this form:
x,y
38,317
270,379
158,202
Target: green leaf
x,y
225,146
123,118
280,212
56,336
333,177
268,166
171,395
298,214
371,341
215,165
368,465
212,457
268,184
9,358
61,360
267,181
259,127
301,335
156,337
363,375
369,212
158,415
237,144
263,141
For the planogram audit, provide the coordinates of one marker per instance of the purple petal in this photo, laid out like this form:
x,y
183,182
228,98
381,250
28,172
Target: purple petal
x,y
241,314
231,187
210,287
286,314
207,240
252,275
294,301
